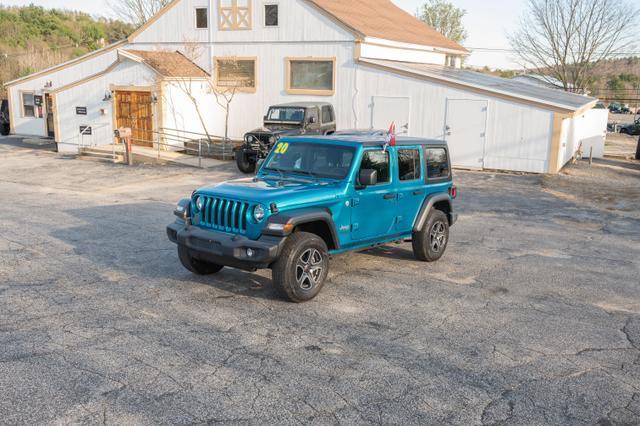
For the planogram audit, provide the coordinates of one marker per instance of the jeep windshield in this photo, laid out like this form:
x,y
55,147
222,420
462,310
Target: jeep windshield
x,y
311,159
286,114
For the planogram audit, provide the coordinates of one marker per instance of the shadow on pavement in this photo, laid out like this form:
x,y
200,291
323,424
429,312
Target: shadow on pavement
x,y
130,239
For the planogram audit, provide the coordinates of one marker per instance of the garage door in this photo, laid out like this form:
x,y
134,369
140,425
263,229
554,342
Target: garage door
x,y
387,110
465,130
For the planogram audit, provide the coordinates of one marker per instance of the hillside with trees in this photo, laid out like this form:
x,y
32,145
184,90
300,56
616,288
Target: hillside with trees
x,y
33,38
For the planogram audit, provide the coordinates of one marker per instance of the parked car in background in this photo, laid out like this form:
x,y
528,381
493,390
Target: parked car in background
x,y
5,126
615,108
315,197
292,119
631,129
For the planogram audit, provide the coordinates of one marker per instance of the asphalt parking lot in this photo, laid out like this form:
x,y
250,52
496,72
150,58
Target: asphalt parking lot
x,y
532,316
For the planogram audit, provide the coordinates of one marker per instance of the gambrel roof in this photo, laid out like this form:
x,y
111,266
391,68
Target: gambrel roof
x,y
384,20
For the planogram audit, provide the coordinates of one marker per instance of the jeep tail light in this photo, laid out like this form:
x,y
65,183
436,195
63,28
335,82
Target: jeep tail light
x,y
453,192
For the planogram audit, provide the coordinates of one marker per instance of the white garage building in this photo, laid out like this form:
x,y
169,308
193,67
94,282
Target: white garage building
x,y
373,61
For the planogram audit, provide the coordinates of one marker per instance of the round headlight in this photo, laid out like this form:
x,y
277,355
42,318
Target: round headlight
x,y
258,213
272,139
199,202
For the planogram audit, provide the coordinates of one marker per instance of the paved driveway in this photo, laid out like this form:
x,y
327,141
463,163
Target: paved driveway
x,y
532,317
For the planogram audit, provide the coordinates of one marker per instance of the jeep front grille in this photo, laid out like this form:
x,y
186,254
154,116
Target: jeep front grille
x,y
224,215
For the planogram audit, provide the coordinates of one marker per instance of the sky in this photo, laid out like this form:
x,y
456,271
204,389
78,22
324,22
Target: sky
x,y
487,22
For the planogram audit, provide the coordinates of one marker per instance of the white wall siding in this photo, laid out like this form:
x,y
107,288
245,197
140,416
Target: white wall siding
x,y
62,77
248,109
518,137
90,94
177,25
373,51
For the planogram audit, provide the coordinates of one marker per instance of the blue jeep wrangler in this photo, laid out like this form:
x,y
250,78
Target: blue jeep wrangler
x,y
314,197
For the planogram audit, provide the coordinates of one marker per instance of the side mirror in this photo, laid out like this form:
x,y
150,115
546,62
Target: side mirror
x,y
312,120
265,118
368,177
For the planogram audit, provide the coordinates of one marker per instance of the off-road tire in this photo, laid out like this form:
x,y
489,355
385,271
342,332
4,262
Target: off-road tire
x,y
625,132
430,242
244,165
196,266
301,270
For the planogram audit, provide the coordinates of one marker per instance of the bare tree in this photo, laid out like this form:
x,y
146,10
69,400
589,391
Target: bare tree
x,y
137,11
563,39
445,18
224,95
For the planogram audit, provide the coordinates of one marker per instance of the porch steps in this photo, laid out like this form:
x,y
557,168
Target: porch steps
x,y
101,154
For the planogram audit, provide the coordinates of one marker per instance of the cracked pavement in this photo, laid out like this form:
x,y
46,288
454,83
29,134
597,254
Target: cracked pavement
x,y
532,316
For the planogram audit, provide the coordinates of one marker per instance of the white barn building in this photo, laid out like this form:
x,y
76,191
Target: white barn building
x,y
374,62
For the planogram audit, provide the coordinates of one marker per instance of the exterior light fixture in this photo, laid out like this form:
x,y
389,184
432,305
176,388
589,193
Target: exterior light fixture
x,y
107,96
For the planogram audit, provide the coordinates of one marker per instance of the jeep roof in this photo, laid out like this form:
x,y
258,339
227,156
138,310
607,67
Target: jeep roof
x,y
366,139
301,104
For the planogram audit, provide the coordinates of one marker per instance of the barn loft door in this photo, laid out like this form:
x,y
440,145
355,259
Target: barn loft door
x,y
465,130
134,110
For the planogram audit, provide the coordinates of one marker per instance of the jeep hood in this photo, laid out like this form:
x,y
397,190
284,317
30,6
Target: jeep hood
x,y
280,129
285,192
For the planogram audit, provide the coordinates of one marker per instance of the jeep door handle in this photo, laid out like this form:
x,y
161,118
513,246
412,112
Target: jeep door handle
x,y
419,192
389,196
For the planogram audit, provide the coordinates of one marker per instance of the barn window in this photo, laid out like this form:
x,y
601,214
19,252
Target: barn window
x,y
234,15
409,164
311,76
437,163
236,73
270,15
202,17
28,104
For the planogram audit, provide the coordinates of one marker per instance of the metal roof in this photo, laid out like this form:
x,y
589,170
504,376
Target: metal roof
x,y
541,96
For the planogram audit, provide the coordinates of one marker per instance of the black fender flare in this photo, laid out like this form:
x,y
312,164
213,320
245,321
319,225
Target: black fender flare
x,y
301,217
427,206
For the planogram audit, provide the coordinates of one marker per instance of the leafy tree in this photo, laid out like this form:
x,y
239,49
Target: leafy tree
x,y
445,18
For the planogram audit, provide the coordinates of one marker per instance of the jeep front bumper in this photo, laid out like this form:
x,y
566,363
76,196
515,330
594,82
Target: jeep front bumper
x,y
226,249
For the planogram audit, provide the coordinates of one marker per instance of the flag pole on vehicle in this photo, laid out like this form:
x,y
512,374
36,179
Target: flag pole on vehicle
x,y
391,136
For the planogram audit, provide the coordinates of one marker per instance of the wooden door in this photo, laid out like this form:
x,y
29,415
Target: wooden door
x,y
134,110
50,111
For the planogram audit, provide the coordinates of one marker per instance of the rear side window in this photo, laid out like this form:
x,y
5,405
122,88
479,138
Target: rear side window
x,y
408,164
437,163
378,161
327,114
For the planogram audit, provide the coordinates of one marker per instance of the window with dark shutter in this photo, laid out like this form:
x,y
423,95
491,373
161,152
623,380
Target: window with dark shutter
x,y
202,18
270,15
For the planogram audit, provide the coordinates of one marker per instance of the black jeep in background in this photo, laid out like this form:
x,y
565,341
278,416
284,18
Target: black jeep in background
x,y
293,119
4,118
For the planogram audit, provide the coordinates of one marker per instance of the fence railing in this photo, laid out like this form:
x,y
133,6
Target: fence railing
x,y
199,145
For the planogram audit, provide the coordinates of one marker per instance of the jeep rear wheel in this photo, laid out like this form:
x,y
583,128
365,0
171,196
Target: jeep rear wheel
x,y
244,163
430,243
301,270
196,266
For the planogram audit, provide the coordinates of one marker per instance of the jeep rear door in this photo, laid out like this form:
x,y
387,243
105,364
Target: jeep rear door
x,y
373,210
411,186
